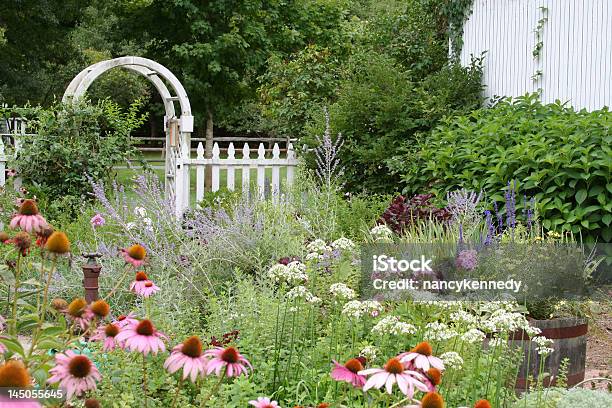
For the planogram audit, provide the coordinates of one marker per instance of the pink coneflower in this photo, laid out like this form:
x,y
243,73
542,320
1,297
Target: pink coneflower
x,y
144,288
392,373
139,282
126,320
433,377
188,356
134,255
264,402
141,337
107,334
75,373
28,218
228,358
349,372
421,357
78,312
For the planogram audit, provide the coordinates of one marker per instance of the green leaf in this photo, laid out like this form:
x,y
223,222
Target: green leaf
x,y
607,219
581,195
13,345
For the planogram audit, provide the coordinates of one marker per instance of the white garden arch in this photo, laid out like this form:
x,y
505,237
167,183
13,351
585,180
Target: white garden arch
x,y
178,128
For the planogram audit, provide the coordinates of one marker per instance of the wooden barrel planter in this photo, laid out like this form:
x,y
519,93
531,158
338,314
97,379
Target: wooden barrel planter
x,y
570,342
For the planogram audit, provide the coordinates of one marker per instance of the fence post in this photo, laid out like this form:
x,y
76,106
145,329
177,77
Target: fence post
x,y
215,167
246,169
275,173
290,167
231,155
200,175
261,171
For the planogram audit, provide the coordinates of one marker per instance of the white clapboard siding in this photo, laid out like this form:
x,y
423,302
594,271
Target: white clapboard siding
x,y
575,61
244,165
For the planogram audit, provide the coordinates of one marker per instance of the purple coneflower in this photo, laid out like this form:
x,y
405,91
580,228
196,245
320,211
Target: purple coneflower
x,y
228,358
141,337
126,320
28,218
188,356
430,400
75,373
394,372
264,402
421,357
78,312
349,372
134,255
107,334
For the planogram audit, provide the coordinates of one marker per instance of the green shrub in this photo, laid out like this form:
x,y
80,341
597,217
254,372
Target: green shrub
x,y
561,157
71,143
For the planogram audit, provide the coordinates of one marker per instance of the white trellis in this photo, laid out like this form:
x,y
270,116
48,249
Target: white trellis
x,y
244,165
178,128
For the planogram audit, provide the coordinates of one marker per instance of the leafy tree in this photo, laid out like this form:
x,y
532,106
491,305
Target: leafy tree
x,y
38,58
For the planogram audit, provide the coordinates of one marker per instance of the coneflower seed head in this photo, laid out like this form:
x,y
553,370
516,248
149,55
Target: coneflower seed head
x,y
137,252
77,307
354,365
58,243
230,355
423,348
28,207
432,400
111,330
394,366
482,404
79,366
145,328
434,375
13,374
92,403
100,308
141,276
192,347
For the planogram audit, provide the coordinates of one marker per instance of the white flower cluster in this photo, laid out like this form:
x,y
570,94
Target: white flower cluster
x,y
392,325
503,321
382,233
341,291
292,274
343,244
463,318
437,331
473,336
356,309
452,359
141,212
300,292
543,345
497,342
317,249
369,352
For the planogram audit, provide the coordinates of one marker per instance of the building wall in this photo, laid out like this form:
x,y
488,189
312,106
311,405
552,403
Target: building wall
x,y
575,61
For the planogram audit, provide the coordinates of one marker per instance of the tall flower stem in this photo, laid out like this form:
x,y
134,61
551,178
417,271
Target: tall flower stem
x,y
16,296
178,391
45,300
119,283
214,389
144,380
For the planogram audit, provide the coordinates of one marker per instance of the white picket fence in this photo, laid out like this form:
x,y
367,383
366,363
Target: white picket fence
x,y
231,165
